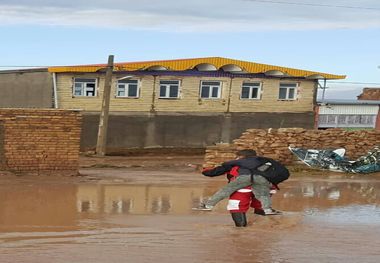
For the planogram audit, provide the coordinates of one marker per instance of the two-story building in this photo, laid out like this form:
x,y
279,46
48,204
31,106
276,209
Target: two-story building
x,y
187,103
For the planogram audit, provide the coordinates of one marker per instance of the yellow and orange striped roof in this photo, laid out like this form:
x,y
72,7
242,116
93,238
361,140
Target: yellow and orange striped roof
x,y
186,64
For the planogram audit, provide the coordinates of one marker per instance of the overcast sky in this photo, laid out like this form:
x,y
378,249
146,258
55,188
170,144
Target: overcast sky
x,y
341,37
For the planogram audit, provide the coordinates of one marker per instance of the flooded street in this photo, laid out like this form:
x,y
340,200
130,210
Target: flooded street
x,y
120,215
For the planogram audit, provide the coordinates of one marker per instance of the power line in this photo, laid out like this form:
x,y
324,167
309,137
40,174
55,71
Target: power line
x,y
354,82
24,66
28,66
317,5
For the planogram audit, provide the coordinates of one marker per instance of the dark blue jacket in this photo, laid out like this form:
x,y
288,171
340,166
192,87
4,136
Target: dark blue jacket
x,y
275,174
246,165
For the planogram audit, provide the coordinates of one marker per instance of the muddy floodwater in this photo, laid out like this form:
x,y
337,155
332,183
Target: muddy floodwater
x,y
116,215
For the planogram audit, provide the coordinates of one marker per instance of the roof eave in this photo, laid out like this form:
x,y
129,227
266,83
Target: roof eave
x,y
186,64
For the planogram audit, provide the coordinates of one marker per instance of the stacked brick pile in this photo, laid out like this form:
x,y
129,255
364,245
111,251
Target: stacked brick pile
x,y
218,154
274,143
370,94
40,141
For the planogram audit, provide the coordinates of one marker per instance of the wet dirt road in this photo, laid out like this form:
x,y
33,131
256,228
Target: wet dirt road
x,y
119,215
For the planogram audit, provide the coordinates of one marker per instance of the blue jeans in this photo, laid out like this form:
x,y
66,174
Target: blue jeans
x,y
260,187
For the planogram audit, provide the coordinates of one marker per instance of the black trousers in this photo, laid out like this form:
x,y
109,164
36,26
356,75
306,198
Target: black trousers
x,y
240,219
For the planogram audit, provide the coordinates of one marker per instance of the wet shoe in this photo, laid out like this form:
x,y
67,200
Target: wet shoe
x,y
259,212
272,191
203,207
272,212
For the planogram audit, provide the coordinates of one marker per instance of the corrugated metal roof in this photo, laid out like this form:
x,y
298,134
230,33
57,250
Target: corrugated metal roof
x,y
28,70
188,64
192,73
349,109
348,102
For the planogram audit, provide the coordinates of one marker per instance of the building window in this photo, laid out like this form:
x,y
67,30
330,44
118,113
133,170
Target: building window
x,y
127,88
331,119
84,87
211,89
322,119
345,120
353,119
250,90
367,119
169,89
287,91
342,119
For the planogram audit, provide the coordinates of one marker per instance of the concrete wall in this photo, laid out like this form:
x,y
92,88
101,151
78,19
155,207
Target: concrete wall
x,y
184,130
26,89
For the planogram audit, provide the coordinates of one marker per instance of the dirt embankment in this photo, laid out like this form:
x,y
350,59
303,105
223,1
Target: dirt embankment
x,y
187,162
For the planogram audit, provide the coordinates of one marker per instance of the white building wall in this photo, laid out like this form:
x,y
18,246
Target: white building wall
x,y
349,109
347,116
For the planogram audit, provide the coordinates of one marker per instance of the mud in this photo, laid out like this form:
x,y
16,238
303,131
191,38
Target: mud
x,y
144,215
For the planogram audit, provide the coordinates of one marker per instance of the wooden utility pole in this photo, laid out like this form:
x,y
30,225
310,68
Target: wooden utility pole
x,y
103,119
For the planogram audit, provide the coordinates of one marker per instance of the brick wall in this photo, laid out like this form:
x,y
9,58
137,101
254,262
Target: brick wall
x,y
40,141
274,143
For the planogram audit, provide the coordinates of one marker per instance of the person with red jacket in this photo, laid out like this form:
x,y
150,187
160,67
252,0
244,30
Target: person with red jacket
x,y
259,172
240,201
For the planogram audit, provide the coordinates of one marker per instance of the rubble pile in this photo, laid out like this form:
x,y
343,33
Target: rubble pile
x,y
274,143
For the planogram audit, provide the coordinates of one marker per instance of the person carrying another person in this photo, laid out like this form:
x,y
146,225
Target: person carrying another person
x,y
240,201
261,173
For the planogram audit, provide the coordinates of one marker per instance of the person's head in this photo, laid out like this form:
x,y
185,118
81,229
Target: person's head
x,y
246,153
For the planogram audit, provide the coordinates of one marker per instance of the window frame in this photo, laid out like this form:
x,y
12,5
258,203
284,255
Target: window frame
x,y
287,91
126,89
347,120
259,90
211,90
367,119
167,89
84,87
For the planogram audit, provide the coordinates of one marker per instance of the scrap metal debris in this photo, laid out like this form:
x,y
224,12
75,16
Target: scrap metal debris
x,y
334,160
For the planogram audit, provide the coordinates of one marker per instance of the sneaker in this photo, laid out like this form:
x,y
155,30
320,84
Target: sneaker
x,y
271,212
273,191
203,207
259,212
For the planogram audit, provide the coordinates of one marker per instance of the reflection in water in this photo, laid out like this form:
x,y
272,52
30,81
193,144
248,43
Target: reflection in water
x,y
86,206
333,195
311,189
23,205
137,199
308,190
321,194
121,206
38,205
106,222
352,214
160,205
148,199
